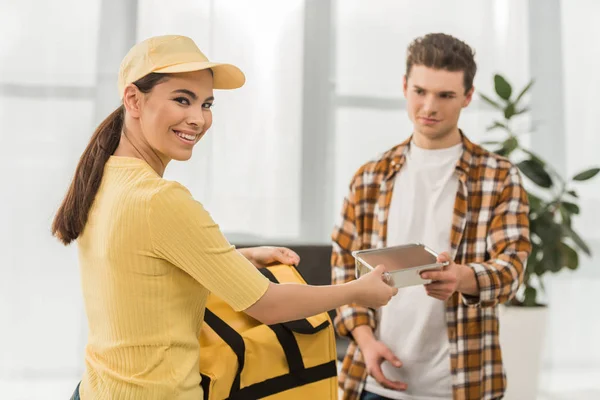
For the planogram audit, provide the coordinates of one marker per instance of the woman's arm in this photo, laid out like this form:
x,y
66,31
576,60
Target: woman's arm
x,y
183,233
290,301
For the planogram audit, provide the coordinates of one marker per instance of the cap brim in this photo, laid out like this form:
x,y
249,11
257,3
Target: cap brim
x,y
226,76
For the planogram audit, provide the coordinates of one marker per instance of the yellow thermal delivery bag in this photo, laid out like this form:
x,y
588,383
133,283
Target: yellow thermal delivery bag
x,y
241,358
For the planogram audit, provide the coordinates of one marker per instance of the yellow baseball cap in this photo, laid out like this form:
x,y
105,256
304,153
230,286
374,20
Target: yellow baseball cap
x,y
171,54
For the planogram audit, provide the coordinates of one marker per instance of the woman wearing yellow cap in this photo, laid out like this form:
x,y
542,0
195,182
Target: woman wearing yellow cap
x,y
149,253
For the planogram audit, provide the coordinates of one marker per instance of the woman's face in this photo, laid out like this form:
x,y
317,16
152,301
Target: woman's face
x,y
176,113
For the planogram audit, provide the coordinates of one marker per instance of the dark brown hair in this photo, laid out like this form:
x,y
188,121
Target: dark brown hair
x,y
441,51
73,212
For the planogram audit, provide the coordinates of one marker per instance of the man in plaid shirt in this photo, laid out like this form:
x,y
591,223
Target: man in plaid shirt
x,y
440,340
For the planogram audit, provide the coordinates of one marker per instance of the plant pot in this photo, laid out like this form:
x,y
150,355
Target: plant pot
x,y
522,333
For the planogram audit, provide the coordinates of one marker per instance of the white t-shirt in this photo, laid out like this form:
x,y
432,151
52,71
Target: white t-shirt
x,y
412,324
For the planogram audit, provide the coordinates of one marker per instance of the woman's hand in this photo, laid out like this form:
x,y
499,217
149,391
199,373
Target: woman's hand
x,y
266,255
374,291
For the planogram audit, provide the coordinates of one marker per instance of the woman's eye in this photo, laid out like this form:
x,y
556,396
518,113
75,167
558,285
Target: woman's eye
x,y
182,100
207,105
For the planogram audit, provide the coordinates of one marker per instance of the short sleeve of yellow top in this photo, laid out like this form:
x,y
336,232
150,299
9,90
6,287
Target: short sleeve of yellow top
x,y
149,256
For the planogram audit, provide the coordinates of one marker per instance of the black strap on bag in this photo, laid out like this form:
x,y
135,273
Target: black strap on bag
x,y
233,339
300,325
299,375
290,347
285,382
205,383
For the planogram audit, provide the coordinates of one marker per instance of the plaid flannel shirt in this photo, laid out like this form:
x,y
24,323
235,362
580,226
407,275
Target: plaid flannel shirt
x,y
490,233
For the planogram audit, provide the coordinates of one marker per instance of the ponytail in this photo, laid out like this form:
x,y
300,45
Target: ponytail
x,y
73,212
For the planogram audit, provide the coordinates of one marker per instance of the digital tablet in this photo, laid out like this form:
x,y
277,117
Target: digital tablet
x,y
403,264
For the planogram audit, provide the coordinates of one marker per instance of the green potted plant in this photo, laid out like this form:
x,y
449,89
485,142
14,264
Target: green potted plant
x,y
556,245
553,203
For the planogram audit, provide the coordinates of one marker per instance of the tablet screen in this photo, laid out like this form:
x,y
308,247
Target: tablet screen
x,y
399,257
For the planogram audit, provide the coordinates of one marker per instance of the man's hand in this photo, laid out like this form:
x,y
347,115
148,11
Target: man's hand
x,y
452,278
375,353
265,255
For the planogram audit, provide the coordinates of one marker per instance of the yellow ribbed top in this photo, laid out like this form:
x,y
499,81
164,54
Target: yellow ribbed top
x,y
149,256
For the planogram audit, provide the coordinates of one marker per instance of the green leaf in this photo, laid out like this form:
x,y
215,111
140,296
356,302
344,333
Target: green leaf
x,y
510,144
509,111
587,174
534,156
570,257
533,264
535,203
503,88
577,239
573,193
566,216
522,110
530,297
497,125
552,258
488,142
491,102
536,172
550,234
572,208
548,230
525,90
540,269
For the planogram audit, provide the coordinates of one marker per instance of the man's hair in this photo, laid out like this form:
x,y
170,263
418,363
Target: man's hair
x,y
441,51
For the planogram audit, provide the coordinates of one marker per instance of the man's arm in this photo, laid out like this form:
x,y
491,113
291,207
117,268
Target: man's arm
x,y
494,281
508,245
467,281
353,321
345,238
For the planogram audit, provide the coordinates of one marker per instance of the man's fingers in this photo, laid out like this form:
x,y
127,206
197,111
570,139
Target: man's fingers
x,y
391,357
444,257
394,385
438,295
438,292
434,275
438,276
436,286
377,374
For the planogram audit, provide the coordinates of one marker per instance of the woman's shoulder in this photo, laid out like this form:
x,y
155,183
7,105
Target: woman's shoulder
x,y
143,189
172,204
172,193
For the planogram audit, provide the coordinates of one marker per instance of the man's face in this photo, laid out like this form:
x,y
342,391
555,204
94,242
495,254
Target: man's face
x,y
435,98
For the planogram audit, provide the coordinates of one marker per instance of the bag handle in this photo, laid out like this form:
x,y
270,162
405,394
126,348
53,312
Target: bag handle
x,y
301,325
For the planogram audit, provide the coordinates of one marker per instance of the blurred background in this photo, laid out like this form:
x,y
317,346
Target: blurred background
x,y
323,96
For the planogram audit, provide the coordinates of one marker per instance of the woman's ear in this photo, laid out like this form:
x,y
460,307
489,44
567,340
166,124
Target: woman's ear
x,y
132,100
